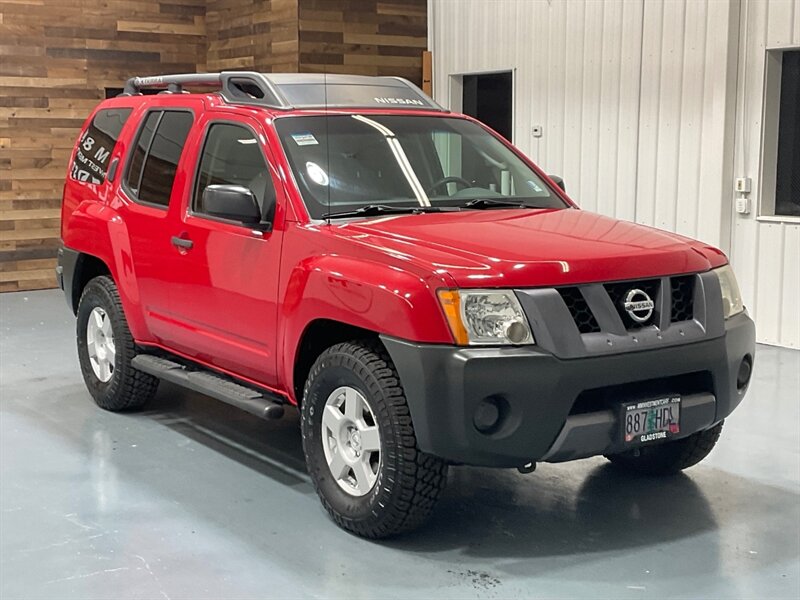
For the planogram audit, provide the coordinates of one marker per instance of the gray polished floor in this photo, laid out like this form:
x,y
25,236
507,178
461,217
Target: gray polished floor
x,y
193,499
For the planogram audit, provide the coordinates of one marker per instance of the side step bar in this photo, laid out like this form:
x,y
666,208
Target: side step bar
x,y
209,383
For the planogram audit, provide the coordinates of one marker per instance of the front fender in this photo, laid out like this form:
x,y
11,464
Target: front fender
x,y
370,295
98,230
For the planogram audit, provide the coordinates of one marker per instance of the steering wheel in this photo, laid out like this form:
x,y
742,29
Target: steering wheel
x,y
449,179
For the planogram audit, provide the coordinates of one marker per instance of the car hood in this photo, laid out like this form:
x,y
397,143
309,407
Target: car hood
x,y
530,248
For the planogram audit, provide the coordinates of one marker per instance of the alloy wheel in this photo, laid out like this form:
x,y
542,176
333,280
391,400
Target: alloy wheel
x,y
351,441
100,344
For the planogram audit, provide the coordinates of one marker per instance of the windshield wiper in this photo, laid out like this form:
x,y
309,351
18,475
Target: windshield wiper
x,y
380,209
495,203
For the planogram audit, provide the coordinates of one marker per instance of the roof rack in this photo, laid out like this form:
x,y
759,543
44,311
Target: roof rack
x,y
295,90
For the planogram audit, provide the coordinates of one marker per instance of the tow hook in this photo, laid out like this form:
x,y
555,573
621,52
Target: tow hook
x,y
527,468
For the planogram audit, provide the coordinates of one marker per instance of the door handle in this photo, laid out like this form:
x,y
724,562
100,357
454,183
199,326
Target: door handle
x,y
181,242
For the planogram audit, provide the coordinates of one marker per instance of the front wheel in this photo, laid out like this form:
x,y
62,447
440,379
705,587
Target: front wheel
x,y
670,457
360,446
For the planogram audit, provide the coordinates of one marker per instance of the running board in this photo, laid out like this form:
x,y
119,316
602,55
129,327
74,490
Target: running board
x,y
209,383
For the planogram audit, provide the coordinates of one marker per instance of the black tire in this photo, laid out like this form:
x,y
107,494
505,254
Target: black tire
x,y
409,481
127,389
670,457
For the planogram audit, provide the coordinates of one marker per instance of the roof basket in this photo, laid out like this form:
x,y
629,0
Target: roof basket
x,y
295,90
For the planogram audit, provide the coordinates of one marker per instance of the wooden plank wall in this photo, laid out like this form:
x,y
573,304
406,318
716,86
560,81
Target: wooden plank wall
x,y
366,37
58,56
56,59
258,35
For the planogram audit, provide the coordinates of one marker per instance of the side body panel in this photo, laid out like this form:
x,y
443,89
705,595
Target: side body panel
x,y
150,226
102,221
224,288
92,226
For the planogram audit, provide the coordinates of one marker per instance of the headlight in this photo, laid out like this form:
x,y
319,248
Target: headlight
x,y
731,296
485,317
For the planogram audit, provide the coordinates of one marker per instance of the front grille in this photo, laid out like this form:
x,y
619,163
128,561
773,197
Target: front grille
x,y
680,294
618,291
579,309
682,298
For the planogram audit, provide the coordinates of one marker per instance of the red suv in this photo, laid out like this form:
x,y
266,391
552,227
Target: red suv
x,y
420,290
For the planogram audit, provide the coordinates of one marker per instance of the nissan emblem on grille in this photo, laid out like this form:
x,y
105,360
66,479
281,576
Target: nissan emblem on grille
x,y
638,305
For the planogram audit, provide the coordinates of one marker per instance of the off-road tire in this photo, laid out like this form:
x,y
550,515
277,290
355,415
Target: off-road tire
x,y
128,389
409,481
670,457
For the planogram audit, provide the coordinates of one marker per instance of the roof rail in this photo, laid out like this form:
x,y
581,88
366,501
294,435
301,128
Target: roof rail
x,y
235,86
295,90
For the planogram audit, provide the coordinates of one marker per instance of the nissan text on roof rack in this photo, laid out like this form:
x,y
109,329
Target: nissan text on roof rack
x,y
422,292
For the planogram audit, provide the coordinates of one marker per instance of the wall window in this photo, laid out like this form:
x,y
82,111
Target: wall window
x,y
96,144
780,162
787,175
231,156
156,155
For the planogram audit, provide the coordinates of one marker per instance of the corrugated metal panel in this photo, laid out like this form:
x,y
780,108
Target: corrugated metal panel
x,y
684,157
631,95
684,143
766,255
638,100
576,70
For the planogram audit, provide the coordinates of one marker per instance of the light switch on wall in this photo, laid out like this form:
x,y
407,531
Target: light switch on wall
x,y
743,185
537,131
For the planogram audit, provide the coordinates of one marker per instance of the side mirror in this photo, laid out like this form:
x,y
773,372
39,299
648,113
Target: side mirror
x,y
234,202
559,182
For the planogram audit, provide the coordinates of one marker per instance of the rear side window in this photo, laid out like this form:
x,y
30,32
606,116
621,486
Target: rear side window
x,y
140,150
96,144
156,154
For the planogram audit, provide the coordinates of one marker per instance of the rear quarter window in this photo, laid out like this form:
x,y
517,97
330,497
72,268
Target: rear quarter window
x,y
96,144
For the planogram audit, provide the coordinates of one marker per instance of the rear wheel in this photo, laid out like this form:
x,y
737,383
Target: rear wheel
x,y
670,457
360,446
105,350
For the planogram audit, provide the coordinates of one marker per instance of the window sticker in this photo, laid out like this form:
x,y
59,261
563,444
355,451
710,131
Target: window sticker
x,y
304,139
535,186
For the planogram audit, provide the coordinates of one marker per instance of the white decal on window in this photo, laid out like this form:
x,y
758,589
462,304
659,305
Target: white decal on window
x,y
304,139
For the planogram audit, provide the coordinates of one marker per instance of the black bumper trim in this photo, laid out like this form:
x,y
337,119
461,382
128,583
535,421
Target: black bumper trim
x,y
582,435
445,384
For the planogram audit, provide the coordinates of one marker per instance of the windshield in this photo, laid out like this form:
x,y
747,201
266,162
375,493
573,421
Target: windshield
x,y
344,163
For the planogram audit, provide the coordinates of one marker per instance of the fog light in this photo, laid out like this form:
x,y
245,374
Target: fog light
x,y
486,416
745,371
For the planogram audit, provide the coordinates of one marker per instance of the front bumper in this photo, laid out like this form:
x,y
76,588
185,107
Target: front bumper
x,y
556,409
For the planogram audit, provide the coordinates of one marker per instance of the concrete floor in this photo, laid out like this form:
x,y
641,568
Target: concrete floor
x,y
194,499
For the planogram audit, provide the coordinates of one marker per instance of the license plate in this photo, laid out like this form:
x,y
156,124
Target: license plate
x,y
651,420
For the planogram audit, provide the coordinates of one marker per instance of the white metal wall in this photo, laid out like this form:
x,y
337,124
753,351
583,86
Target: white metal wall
x,y
638,103
684,180
579,82
766,254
